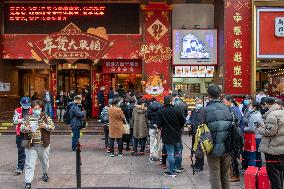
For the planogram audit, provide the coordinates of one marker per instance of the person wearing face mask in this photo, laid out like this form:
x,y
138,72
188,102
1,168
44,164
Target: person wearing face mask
x,y
19,114
77,115
61,102
197,118
37,127
88,103
127,109
232,104
48,103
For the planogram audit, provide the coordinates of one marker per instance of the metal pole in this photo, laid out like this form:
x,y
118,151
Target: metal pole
x,y
78,165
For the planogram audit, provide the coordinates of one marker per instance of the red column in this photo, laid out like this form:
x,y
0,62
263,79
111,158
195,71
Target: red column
x,y
237,47
156,50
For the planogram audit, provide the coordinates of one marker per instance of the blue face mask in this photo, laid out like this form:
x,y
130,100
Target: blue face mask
x,y
37,112
246,102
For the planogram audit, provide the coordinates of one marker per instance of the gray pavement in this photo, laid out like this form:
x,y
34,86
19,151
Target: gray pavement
x,y
98,170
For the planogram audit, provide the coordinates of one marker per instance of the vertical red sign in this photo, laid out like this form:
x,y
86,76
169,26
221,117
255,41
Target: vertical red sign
x,y
96,88
156,51
237,47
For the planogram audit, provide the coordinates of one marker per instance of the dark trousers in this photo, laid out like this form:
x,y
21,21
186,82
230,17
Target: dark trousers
x,y
142,142
275,170
21,152
164,155
249,159
106,132
234,167
258,154
75,137
199,162
119,142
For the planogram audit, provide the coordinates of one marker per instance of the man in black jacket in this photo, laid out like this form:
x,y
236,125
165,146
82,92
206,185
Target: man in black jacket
x,y
171,122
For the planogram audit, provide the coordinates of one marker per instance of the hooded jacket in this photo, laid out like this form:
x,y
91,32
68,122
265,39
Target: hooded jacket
x,y
139,122
152,114
273,131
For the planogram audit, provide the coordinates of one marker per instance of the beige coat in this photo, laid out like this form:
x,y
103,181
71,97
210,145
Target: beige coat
x,y
116,121
272,141
139,122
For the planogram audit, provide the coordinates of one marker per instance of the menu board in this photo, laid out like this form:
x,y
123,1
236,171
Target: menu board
x,y
194,71
191,87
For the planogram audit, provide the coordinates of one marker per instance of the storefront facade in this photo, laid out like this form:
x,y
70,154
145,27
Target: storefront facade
x,y
146,53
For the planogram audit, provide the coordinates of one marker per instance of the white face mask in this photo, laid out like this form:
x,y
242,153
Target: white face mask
x,y
199,106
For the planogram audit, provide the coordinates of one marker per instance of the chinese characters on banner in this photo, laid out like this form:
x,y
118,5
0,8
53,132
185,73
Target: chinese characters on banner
x,y
70,43
53,84
156,51
237,47
279,26
122,66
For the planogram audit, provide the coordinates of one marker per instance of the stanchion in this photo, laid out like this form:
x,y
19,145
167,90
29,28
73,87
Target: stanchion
x,y
78,165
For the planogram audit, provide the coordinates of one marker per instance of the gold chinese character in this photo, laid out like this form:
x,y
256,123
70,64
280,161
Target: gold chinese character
x,y
238,17
238,44
237,83
238,70
238,57
237,30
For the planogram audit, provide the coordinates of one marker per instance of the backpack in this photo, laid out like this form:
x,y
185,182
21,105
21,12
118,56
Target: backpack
x,y
66,117
235,142
104,116
203,142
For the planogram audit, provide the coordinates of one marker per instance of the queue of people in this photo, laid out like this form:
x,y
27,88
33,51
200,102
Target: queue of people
x,y
261,124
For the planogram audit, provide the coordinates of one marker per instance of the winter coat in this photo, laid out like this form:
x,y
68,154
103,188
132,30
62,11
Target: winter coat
x,y
152,114
61,101
181,106
273,131
18,117
101,99
116,121
43,97
219,119
139,122
197,118
76,115
127,111
171,122
254,120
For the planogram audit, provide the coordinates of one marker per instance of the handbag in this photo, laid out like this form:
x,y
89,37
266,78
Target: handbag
x,y
27,143
126,129
250,142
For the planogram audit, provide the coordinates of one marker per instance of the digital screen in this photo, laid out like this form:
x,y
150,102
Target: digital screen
x,y
45,18
195,47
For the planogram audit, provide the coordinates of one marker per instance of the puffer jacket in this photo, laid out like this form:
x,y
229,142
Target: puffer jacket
x,y
219,119
76,115
273,131
152,114
139,122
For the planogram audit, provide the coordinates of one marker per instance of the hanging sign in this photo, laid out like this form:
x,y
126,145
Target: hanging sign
x,y
122,66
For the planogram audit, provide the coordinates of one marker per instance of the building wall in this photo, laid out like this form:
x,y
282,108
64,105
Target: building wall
x,y
186,16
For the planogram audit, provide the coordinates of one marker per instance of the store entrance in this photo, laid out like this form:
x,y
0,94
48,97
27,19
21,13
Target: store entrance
x,y
130,82
73,80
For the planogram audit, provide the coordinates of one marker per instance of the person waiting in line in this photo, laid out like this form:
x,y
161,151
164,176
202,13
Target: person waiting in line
x,y
116,121
61,103
101,99
197,118
77,114
105,120
35,96
171,121
37,128
254,158
232,104
272,144
19,115
87,103
127,109
111,93
140,127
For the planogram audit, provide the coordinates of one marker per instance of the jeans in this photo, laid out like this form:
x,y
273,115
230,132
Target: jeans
x,y
75,137
234,167
164,155
106,132
249,159
48,109
155,146
119,142
258,154
21,152
60,113
142,142
275,170
174,152
32,153
219,171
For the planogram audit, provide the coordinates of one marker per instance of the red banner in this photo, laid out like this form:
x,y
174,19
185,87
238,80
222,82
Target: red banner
x,y
122,66
237,47
156,52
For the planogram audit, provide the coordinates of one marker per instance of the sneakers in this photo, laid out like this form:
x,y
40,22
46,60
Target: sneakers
x,y
111,155
180,170
170,174
28,186
120,155
45,177
18,172
234,179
